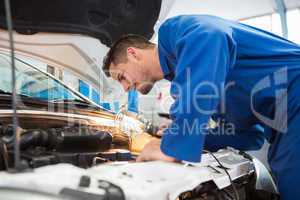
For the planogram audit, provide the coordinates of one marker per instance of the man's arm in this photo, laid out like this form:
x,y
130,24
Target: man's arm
x,y
204,54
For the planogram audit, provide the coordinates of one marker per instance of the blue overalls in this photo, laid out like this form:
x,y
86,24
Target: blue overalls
x,y
242,77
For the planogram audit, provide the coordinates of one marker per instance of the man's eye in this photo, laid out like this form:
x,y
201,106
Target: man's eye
x,y
120,78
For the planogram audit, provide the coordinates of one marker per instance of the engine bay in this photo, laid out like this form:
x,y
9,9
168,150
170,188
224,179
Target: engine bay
x,y
94,162
79,146
131,180
56,141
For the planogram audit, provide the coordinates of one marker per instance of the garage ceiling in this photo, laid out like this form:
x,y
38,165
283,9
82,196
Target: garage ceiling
x,y
230,9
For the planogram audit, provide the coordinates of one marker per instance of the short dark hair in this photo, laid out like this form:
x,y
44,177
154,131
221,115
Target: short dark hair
x,y
116,54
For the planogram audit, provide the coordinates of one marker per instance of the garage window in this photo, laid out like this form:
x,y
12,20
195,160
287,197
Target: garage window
x,y
293,18
95,96
84,88
133,101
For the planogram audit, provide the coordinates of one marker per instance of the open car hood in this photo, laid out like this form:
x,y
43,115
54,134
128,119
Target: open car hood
x,y
102,19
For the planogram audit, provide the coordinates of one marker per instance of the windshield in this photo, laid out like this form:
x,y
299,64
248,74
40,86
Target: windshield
x,y
33,83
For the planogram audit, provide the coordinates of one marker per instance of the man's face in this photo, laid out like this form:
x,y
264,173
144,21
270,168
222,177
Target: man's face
x,y
135,72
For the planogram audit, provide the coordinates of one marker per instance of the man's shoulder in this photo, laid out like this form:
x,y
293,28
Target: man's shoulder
x,y
202,21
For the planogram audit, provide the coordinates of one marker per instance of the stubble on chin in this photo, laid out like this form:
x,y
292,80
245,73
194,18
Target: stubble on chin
x,y
145,88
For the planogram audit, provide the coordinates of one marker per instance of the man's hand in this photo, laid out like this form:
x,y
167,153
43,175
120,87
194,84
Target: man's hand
x,y
165,124
152,152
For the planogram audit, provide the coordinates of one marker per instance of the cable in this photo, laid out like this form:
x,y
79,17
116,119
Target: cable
x,y
14,93
4,154
236,194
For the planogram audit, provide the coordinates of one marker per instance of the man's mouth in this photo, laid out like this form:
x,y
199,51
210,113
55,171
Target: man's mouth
x,y
133,87
144,88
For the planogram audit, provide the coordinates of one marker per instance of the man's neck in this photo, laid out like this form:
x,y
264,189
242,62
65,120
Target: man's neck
x,y
157,71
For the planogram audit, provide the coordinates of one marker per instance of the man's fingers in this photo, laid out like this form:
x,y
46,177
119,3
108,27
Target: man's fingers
x,y
141,158
165,124
152,152
138,159
162,126
160,132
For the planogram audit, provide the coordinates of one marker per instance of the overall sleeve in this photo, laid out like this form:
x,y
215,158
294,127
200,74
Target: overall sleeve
x,y
204,56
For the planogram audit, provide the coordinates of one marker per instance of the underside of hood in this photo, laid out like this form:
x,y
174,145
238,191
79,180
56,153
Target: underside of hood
x,y
102,19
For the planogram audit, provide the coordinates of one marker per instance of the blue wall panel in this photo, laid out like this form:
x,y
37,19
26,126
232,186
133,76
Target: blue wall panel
x,y
95,96
84,88
133,101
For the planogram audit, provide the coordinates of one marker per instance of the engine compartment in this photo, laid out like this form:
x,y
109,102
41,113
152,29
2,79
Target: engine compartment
x,y
148,180
80,145
97,161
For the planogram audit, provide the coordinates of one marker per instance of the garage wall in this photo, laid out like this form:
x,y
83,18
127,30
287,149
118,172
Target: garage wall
x,y
230,9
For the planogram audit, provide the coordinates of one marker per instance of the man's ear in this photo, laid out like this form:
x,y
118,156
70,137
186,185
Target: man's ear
x,y
132,53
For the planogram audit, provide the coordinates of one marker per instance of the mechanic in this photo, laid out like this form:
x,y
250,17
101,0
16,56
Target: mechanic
x,y
243,77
